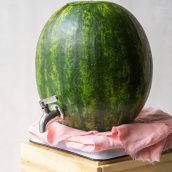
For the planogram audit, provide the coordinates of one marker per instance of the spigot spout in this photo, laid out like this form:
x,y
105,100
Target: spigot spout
x,y
49,115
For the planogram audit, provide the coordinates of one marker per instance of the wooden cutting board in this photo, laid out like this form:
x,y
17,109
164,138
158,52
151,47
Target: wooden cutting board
x,y
37,158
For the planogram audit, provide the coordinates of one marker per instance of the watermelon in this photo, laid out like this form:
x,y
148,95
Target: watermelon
x,y
95,57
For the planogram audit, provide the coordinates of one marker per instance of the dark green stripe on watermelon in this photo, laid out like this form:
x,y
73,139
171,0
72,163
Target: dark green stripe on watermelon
x,y
96,58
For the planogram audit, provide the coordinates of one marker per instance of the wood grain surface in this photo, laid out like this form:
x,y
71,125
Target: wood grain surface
x,y
37,158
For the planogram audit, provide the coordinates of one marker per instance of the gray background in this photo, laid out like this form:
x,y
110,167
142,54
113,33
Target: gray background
x,y
21,22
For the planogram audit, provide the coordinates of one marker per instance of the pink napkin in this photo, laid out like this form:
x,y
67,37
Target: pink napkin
x,y
144,139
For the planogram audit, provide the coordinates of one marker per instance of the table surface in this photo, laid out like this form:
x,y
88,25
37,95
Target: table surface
x,y
36,158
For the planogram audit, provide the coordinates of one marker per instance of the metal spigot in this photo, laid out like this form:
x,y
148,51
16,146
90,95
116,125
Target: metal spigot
x,y
49,114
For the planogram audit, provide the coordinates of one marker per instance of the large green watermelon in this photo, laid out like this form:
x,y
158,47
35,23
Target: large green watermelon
x,y
96,58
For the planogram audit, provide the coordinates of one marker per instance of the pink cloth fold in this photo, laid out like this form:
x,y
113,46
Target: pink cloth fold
x,y
144,139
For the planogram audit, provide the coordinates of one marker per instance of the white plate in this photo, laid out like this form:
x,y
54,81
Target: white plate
x,y
103,155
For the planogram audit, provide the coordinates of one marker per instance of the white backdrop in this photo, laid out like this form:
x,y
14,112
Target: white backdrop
x,y
21,22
